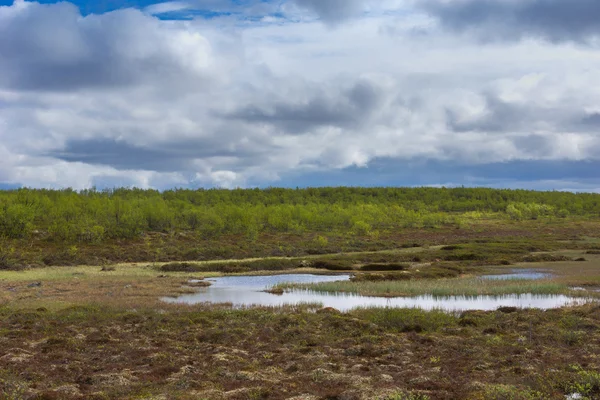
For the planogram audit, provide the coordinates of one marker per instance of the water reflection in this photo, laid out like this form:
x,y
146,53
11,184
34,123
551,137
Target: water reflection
x,y
245,291
525,274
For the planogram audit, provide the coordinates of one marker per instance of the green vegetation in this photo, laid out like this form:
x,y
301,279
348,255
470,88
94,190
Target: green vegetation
x,y
437,287
92,216
49,227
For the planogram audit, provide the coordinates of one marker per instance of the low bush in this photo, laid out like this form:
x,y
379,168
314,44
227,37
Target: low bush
x,y
332,265
463,256
180,267
384,267
545,258
451,247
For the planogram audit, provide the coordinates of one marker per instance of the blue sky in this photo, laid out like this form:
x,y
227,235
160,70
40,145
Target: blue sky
x,y
97,6
103,6
214,93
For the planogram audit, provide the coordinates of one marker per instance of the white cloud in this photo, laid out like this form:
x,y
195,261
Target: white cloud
x,y
126,98
168,7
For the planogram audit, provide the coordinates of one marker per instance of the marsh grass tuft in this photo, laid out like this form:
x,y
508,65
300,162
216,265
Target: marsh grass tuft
x,y
437,288
402,395
407,319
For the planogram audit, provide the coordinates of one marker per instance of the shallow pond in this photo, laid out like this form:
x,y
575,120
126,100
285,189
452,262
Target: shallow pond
x,y
525,274
246,291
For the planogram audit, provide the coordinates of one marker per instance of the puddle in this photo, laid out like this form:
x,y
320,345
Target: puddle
x,y
247,291
525,274
235,283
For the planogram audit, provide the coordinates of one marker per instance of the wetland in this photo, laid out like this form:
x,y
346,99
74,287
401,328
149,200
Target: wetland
x,y
378,294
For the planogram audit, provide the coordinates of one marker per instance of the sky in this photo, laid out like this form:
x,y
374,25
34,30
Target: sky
x,y
296,93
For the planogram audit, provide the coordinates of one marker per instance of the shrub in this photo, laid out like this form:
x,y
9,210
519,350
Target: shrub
x,y
361,228
321,241
462,256
179,267
384,267
451,247
544,258
332,265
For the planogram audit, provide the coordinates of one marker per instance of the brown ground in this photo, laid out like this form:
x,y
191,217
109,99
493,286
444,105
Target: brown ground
x,y
86,334
89,352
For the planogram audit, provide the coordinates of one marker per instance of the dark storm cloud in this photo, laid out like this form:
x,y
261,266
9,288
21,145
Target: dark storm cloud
x,y
333,11
349,108
553,20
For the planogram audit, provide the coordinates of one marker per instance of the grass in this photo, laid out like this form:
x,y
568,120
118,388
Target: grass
x,y
61,287
83,272
484,241
438,287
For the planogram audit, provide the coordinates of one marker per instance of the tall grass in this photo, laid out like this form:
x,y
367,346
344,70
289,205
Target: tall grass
x,y
407,319
439,287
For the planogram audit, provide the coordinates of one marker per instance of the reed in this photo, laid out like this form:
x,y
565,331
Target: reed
x,y
439,287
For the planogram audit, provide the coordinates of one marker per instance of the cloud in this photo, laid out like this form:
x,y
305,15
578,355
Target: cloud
x,y
52,47
333,11
345,107
125,98
552,20
592,119
168,7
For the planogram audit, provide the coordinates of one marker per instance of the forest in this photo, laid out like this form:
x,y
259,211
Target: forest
x,y
91,216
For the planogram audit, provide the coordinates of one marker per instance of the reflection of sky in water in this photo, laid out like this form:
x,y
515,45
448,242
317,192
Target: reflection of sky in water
x,y
526,274
247,291
265,282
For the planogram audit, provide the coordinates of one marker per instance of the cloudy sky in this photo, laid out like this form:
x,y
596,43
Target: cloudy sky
x,y
245,93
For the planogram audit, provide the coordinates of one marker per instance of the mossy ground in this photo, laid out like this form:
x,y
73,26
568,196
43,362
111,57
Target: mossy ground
x,y
214,353
82,333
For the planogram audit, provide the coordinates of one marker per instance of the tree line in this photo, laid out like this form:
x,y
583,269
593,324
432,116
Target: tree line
x,y
92,215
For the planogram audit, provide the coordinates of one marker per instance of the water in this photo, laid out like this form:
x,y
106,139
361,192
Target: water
x,y
593,289
258,283
246,291
525,274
